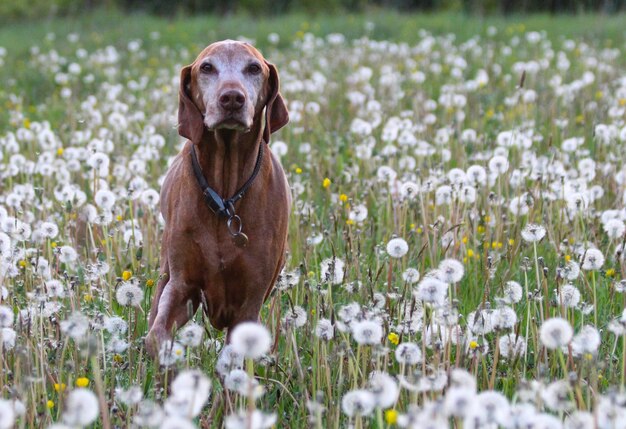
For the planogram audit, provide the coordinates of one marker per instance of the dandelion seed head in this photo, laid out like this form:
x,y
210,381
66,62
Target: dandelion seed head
x,y
555,332
81,407
251,339
533,232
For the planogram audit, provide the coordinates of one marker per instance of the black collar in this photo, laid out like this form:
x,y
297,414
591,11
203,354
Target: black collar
x,y
218,205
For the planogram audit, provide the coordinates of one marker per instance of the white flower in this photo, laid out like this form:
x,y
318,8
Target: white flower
x,y
148,414
432,290
504,318
295,317
175,422
133,395
332,270
614,228
67,254
105,199
190,391
593,260
324,329
451,270
81,407
251,339
512,346
512,292
7,414
228,360
397,247
6,316
367,332
570,271
587,340
384,388
579,420
191,335
358,213
533,232
358,403
115,325
569,296
76,326
245,420
7,336
411,276
408,354
555,333
49,229
556,396
459,400
498,165
239,382
170,353
129,294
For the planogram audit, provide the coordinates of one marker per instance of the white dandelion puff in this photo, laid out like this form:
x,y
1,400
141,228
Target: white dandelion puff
x,y
555,332
81,407
251,339
397,247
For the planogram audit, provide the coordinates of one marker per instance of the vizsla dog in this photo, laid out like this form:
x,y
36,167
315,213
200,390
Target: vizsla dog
x,y
225,199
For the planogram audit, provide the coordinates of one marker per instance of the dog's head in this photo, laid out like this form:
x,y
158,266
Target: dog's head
x,y
227,87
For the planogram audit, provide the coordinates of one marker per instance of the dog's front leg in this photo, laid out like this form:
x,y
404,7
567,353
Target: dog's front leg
x,y
171,312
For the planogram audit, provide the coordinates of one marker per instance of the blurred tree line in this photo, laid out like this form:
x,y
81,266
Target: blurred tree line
x,y
12,9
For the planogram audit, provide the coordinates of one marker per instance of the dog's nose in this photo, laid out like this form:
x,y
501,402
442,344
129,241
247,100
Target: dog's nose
x,y
232,100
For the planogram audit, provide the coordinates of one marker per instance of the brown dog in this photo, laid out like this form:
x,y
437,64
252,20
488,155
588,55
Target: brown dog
x,y
219,247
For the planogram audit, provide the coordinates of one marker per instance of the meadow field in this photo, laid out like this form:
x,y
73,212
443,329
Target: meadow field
x,y
457,238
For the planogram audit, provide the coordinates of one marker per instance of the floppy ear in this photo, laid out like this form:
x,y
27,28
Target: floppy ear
x,y
276,115
190,123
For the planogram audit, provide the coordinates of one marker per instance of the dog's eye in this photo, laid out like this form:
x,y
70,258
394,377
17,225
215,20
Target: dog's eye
x,y
207,68
254,68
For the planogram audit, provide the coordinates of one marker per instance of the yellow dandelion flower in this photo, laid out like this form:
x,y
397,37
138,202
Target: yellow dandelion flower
x,y
126,275
568,258
53,244
82,382
511,242
473,345
343,198
470,253
610,272
149,283
119,218
60,151
88,297
326,183
393,338
22,263
391,417
350,222
59,387
50,404
298,170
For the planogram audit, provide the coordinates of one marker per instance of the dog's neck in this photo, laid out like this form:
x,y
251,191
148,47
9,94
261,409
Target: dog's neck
x,y
227,157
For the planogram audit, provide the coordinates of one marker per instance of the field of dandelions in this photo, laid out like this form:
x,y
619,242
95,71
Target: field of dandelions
x,y
456,243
